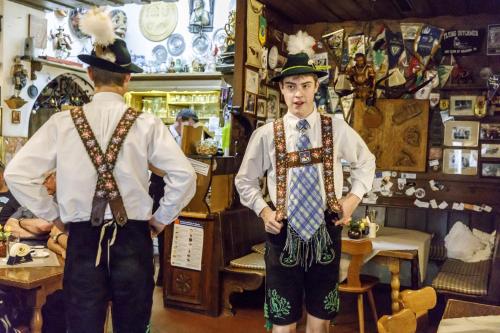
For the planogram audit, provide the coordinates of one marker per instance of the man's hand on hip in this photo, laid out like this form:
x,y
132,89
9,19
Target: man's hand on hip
x,y
271,225
156,227
349,204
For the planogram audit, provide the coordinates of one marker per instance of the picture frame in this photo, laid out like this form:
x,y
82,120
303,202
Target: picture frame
x,y
273,102
252,81
493,40
490,150
460,162
15,117
490,131
261,108
250,102
283,109
461,133
201,15
462,105
490,169
37,27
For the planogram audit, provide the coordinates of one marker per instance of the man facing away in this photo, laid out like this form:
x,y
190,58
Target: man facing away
x,y
301,154
101,153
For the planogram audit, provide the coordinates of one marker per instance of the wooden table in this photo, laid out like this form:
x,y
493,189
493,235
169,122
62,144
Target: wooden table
x,y
40,281
458,309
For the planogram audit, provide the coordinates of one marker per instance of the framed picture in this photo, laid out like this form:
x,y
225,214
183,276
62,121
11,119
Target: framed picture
x,y
490,170
490,131
462,105
283,109
201,15
493,41
273,103
37,27
261,107
461,133
250,101
15,117
252,81
490,150
460,162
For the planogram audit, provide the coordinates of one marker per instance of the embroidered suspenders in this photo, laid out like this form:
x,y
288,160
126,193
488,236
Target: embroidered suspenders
x,y
285,160
106,189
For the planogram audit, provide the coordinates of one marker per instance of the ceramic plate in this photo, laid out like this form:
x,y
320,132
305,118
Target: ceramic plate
x,y
74,21
219,39
158,20
40,254
160,54
201,44
176,45
32,91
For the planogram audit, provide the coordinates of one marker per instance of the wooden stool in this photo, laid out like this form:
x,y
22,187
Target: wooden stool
x,y
402,322
419,302
357,284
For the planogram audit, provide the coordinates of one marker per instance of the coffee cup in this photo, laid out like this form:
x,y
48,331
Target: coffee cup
x,y
373,230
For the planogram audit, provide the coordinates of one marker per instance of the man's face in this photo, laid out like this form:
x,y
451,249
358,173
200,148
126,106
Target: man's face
x,y
50,184
298,92
360,61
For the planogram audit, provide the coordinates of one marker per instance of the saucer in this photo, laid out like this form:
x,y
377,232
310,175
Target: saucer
x,y
40,254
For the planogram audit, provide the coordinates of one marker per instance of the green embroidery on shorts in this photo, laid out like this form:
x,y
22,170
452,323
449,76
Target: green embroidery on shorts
x,y
268,325
332,301
278,305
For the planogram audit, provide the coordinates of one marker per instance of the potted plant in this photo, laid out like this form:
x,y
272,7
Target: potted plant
x,y
358,228
4,239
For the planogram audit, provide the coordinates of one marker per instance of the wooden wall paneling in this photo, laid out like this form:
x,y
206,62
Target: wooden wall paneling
x,y
437,223
455,216
395,217
345,11
416,219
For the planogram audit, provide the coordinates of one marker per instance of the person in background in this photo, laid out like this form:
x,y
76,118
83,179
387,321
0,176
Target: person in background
x,y
102,152
301,154
157,185
8,204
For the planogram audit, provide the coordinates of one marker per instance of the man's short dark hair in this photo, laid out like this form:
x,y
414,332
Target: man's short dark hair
x,y
103,77
186,114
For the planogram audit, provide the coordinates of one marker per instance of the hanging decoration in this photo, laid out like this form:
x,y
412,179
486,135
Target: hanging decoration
x,y
427,42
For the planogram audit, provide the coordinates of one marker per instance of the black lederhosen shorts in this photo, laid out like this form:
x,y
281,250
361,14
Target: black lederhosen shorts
x,y
287,284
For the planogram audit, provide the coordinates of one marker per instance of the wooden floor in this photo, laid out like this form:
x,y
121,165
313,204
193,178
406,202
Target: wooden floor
x,y
249,316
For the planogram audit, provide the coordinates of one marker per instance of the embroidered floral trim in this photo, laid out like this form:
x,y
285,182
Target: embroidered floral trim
x,y
277,305
332,301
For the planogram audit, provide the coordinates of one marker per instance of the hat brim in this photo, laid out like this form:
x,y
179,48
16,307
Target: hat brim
x,y
108,65
298,71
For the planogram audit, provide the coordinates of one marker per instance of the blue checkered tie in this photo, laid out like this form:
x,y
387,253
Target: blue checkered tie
x,y
305,204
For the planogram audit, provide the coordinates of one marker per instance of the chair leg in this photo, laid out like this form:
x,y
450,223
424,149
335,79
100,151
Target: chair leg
x,y
361,314
372,306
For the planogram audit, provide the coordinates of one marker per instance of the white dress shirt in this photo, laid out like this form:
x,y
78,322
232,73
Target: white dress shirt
x,y
177,137
57,145
260,157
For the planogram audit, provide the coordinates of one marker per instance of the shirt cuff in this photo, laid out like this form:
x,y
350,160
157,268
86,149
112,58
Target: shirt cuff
x,y
259,205
358,190
163,216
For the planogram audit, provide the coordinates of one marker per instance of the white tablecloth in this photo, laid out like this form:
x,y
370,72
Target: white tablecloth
x,y
394,239
482,324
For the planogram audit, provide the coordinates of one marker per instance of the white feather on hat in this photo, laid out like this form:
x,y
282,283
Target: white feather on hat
x,y
301,43
97,23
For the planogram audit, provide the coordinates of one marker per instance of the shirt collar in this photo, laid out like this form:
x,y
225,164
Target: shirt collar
x,y
108,97
292,120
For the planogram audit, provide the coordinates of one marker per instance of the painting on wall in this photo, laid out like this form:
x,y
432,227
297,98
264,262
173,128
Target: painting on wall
x,y
201,15
396,131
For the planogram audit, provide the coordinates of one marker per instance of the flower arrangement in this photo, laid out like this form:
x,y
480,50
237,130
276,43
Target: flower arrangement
x,y
358,228
4,233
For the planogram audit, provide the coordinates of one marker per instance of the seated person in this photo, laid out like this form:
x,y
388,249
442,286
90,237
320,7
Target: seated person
x,y
58,241
184,117
25,223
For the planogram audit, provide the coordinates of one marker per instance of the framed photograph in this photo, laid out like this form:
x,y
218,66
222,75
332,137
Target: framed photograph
x,y
462,105
493,42
252,81
283,109
461,133
250,101
15,117
261,108
490,170
490,131
490,150
460,162
37,27
273,103
201,15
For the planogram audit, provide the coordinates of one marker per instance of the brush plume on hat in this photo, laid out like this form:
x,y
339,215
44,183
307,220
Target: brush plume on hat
x,y
301,43
97,23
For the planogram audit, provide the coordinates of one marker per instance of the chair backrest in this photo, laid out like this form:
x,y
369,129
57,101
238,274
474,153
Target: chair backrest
x,y
419,301
357,249
402,322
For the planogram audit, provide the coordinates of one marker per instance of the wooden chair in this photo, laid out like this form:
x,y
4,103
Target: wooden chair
x,y
402,322
419,302
356,283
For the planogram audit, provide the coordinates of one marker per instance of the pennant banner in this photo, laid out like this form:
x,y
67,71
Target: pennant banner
x,y
427,42
395,47
462,41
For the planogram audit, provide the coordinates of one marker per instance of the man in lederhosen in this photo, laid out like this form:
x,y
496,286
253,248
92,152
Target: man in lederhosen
x,y
101,153
301,154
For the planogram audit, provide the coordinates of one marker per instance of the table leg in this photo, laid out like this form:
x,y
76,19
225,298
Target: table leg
x,y
36,321
393,264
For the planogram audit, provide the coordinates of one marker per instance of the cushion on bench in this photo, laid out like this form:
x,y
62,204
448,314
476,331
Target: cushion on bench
x,y
253,260
463,277
259,248
437,250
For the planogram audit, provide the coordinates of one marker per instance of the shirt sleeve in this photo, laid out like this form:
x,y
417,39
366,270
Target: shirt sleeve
x,y
24,173
180,177
254,164
353,149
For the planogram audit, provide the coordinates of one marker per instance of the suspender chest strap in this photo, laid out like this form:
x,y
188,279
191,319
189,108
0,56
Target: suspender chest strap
x,y
106,191
285,161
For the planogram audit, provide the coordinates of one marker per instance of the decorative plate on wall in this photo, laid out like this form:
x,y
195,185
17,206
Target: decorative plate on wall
x,y
160,54
74,21
158,20
176,45
219,39
201,44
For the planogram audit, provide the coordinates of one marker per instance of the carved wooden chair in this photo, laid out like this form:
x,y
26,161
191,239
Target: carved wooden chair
x,y
402,322
419,302
356,283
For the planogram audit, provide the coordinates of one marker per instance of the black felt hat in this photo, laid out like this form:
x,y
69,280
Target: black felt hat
x,y
298,64
118,50
109,52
